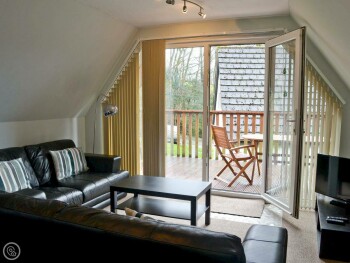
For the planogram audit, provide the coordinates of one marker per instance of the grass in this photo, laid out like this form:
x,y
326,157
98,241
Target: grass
x,y
187,150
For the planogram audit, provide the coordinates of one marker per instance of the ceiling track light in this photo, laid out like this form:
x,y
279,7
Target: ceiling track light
x,y
184,8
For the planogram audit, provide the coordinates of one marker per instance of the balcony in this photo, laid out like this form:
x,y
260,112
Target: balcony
x,y
184,145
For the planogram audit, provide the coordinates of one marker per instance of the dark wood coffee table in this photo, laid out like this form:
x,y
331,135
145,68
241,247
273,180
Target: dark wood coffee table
x,y
149,186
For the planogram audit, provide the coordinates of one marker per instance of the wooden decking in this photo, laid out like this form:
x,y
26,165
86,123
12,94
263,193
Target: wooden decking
x,y
191,168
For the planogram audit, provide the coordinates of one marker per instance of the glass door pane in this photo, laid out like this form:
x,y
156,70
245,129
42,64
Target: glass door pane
x,y
184,112
237,76
284,115
281,134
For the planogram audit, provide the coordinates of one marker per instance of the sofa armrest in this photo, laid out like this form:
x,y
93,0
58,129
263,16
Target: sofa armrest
x,y
266,244
102,163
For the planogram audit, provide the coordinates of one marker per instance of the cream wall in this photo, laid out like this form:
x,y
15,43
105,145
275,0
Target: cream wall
x,y
31,132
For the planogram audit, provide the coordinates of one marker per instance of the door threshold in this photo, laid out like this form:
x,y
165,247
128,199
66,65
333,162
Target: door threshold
x,y
236,194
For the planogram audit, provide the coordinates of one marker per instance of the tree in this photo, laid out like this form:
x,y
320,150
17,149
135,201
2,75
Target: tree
x,y
184,78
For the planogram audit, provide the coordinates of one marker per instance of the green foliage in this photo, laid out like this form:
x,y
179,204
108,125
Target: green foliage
x,y
184,79
169,145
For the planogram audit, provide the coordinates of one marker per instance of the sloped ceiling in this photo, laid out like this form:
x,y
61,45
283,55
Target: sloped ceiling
x,y
55,57
327,25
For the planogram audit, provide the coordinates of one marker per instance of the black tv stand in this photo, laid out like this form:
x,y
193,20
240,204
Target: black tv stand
x,y
332,239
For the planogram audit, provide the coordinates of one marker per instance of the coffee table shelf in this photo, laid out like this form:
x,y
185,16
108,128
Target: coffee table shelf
x,y
164,197
162,207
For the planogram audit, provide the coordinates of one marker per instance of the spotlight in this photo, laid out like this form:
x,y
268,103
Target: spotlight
x,y
184,9
170,2
201,13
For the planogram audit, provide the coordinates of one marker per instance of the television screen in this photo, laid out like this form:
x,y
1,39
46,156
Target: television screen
x,y
333,176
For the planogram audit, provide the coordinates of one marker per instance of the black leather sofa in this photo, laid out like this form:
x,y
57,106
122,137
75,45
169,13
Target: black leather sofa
x,y
87,189
47,229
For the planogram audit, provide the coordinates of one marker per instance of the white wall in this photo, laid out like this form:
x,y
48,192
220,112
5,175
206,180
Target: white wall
x,y
22,133
89,130
327,24
55,57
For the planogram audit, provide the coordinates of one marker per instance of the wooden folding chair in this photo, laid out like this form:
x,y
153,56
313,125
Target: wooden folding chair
x,y
234,157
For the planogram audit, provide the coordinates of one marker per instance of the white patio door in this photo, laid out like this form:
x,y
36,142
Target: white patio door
x,y
284,89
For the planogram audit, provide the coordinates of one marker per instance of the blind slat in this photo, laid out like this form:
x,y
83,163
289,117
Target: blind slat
x,y
322,125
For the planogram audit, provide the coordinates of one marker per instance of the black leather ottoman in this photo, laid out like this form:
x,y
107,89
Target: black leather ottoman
x,y
266,244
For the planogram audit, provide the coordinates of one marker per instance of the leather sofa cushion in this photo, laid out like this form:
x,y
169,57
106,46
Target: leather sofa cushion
x,y
29,205
19,152
35,193
41,161
92,184
63,194
163,239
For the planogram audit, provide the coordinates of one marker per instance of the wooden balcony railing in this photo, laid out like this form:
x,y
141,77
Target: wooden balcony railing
x,y
184,131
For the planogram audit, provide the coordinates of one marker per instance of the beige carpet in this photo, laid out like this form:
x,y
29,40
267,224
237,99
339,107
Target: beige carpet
x,y
237,206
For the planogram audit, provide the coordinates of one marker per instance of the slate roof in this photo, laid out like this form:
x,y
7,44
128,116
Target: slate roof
x,y
241,77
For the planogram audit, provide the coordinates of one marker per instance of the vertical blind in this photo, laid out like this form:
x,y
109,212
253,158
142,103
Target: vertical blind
x,y
322,126
153,103
121,131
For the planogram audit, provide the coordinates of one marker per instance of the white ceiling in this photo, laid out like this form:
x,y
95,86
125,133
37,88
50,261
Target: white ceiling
x,y
144,13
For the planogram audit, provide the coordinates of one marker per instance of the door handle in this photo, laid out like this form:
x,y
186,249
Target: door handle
x,y
295,117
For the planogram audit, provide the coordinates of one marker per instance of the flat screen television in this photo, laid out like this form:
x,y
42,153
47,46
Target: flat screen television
x,y
333,177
